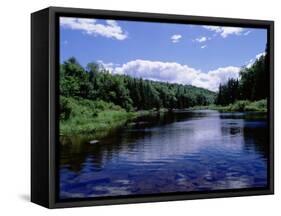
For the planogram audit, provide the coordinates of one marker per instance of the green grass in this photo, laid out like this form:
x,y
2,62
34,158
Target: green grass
x,y
239,106
95,118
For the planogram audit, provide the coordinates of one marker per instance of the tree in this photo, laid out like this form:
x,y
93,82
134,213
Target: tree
x,y
74,79
253,84
97,83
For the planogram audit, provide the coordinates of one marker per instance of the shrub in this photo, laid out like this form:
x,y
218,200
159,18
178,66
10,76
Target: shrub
x,y
82,116
259,106
65,108
239,105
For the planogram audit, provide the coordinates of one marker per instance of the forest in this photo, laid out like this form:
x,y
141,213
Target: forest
x,y
93,99
249,92
96,83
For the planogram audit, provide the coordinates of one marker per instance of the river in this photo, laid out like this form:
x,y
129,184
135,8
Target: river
x,y
182,151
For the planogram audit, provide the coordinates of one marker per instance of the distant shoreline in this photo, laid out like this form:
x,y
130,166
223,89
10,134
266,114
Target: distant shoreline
x,y
238,106
105,121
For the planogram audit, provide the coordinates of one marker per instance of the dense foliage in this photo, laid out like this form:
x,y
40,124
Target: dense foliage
x,y
94,100
96,83
82,116
252,85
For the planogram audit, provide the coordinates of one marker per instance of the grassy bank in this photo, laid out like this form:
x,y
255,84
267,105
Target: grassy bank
x,y
94,119
238,106
80,116
97,118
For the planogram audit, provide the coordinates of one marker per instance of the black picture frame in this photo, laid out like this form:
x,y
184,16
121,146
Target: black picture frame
x,y
45,106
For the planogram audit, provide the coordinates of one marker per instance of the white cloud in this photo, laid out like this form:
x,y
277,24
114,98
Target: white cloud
x,y
203,47
201,39
212,79
90,26
159,71
225,31
260,55
176,38
108,66
252,61
173,72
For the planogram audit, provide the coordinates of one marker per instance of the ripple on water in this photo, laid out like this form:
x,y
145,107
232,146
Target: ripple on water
x,y
195,151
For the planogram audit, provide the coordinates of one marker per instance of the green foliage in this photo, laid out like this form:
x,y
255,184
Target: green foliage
x,y
239,106
94,101
243,106
228,93
96,83
252,86
86,116
65,108
73,79
254,80
259,106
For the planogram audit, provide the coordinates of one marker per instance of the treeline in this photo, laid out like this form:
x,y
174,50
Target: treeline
x,y
252,85
96,83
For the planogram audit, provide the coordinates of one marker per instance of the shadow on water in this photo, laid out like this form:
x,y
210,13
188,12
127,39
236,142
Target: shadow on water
x,y
256,139
251,127
77,148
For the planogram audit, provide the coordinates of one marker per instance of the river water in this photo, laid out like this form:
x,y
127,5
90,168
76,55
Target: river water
x,y
173,152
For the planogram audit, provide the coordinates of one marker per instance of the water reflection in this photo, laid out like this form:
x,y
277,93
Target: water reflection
x,y
180,151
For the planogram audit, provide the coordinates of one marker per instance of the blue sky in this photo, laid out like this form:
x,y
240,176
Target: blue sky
x,y
203,56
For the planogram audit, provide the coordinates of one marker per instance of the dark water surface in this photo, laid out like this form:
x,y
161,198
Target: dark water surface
x,y
173,152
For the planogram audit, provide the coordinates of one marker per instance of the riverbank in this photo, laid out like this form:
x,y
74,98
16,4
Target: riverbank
x,y
80,116
95,118
238,106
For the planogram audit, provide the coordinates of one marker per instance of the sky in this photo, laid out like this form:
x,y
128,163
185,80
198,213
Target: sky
x,y
199,55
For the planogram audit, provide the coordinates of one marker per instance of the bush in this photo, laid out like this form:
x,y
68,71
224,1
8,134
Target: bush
x,y
245,106
81,116
259,106
239,105
65,108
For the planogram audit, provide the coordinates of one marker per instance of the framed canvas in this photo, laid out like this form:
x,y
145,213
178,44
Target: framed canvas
x,y
138,107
